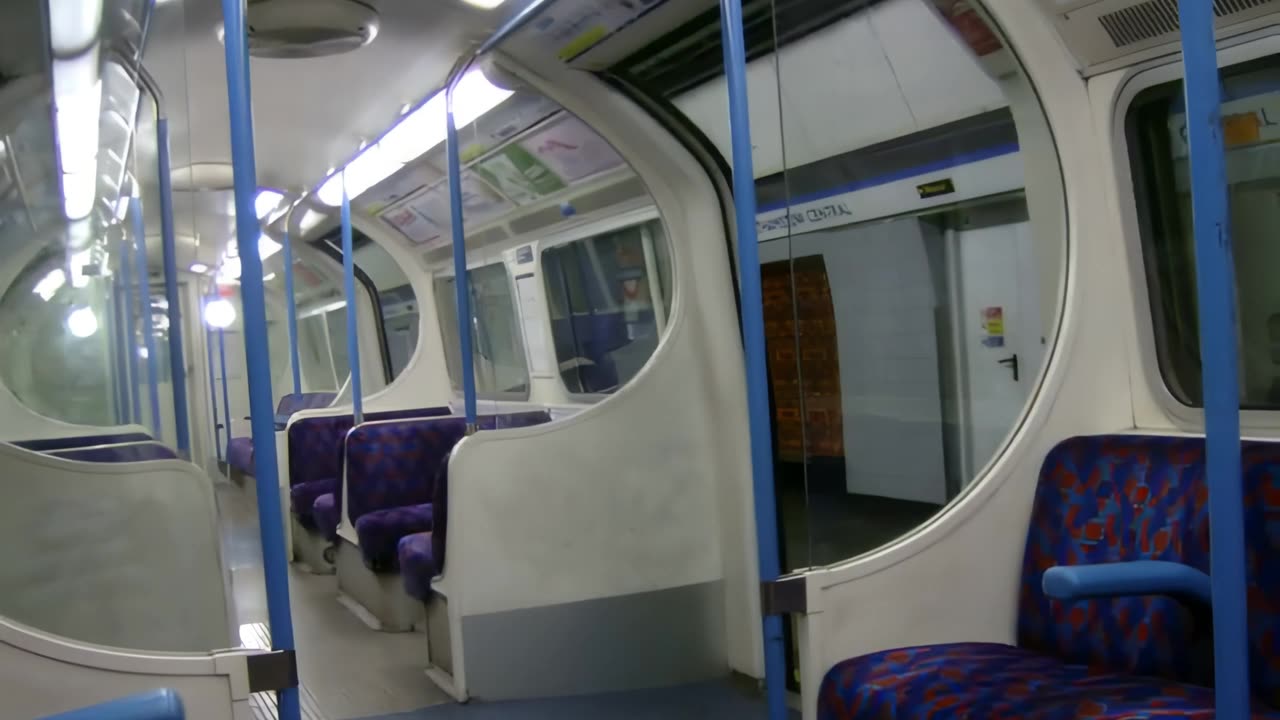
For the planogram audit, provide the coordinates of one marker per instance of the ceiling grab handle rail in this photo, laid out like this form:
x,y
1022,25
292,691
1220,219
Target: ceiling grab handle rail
x,y
257,357
1215,284
213,387
511,26
168,245
461,286
130,328
291,306
226,395
124,413
144,313
744,202
349,289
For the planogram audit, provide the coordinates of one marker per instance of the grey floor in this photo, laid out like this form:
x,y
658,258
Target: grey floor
x,y
346,669
349,671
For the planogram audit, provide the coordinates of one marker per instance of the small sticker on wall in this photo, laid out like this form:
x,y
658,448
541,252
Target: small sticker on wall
x,y
993,326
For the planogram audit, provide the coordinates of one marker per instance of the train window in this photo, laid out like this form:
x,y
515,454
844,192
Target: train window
x,y
497,347
1156,125
912,242
609,301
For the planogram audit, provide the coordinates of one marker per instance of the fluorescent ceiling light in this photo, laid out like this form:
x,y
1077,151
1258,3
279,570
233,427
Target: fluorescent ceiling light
x,y
414,135
484,4
267,246
73,25
77,92
50,284
266,201
219,314
79,262
310,219
82,322
229,272
268,277
199,268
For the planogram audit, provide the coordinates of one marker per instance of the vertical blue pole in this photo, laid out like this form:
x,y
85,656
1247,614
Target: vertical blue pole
x,y
148,326
461,285
124,411
213,393
744,201
257,355
226,396
177,363
130,329
1215,283
292,306
349,289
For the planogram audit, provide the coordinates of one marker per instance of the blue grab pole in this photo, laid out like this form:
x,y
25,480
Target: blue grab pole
x,y
226,396
292,306
257,355
213,393
349,289
123,411
130,329
744,201
1215,284
177,363
461,286
144,303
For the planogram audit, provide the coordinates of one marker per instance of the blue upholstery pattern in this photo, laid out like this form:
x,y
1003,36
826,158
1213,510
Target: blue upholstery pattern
x,y
129,452
240,454
988,681
1099,499
240,450
316,444
392,464
302,498
417,564
380,531
327,515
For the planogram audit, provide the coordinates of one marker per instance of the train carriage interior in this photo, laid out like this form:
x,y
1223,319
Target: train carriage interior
x,y
532,359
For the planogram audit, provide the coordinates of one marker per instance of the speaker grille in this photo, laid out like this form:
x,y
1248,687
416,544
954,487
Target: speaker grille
x,y
1153,18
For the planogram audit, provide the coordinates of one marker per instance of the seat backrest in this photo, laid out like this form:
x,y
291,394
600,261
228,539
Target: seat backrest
x,y
120,453
1115,498
294,402
392,464
68,443
316,444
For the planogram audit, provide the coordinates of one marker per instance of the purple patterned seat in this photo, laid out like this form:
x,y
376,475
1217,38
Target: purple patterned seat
x,y
316,443
240,454
417,564
391,465
303,496
240,450
422,555
380,531
1101,499
327,515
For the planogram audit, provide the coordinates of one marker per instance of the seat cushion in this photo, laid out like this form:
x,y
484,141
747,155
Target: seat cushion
x,y
989,681
327,515
417,564
380,531
302,498
240,454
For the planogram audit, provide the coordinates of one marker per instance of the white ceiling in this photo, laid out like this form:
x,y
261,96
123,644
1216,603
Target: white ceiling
x,y
309,114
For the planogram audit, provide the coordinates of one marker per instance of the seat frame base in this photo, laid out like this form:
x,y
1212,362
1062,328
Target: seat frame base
x,y
385,604
309,549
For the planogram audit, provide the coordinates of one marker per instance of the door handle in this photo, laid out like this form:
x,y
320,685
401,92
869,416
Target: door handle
x,y
1011,362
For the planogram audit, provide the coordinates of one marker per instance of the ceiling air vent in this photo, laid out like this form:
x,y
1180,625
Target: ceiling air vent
x,y
308,28
1153,18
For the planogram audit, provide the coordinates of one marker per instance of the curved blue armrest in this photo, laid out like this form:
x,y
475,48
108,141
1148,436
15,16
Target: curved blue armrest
x,y
152,705
1139,577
